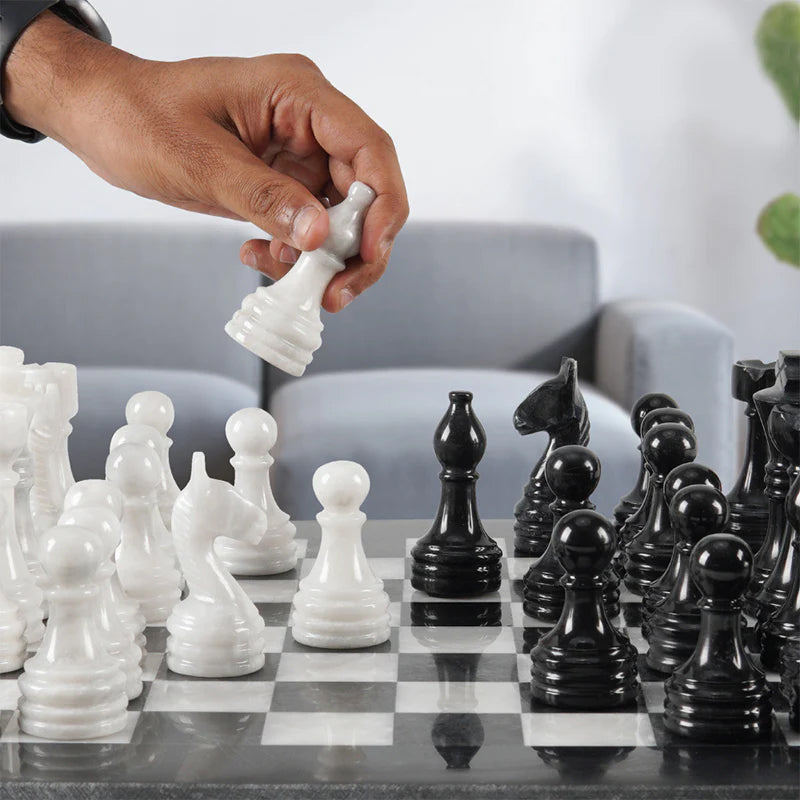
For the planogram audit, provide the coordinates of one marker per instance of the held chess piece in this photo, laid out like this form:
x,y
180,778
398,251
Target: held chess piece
x,y
648,554
216,631
457,558
281,323
572,473
118,639
635,497
783,625
72,688
13,644
748,504
719,695
777,480
340,604
252,433
156,410
689,474
100,495
674,623
15,579
557,407
146,571
584,662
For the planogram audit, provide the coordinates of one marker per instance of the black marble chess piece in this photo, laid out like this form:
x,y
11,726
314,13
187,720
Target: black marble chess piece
x,y
674,623
648,554
572,473
637,520
689,474
558,408
584,662
746,500
783,625
719,694
786,389
790,681
457,558
635,497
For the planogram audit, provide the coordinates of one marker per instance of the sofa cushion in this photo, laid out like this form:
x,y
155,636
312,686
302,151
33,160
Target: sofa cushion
x,y
385,420
203,402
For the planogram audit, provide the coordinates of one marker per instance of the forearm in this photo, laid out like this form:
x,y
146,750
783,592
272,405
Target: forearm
x,y
54,74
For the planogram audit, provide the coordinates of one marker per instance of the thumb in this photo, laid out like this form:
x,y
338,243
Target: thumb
x,y
276,203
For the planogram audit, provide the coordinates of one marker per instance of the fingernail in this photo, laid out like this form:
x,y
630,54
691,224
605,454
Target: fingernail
x,y
345,298
288,255
250,259
385,248
303,223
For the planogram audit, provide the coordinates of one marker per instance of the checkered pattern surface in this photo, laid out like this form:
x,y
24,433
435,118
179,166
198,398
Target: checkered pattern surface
x,y
387,696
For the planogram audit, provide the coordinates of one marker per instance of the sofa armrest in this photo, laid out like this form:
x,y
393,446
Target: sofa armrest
x,y
654,346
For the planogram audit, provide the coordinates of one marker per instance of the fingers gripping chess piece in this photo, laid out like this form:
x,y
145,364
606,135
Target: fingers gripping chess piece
x,y
719,694
117,638
281,323
72,688
100,494
216,631
146,571
16,581
13,644
584,662
340,603
156,410
252,433
557,407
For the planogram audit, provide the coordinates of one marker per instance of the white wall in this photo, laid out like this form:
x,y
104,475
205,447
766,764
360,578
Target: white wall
x,y
648,124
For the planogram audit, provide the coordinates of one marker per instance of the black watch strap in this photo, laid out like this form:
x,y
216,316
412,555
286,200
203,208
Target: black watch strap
x,y
15,16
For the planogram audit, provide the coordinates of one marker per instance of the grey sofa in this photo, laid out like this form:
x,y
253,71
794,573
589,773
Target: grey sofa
x,y
486,308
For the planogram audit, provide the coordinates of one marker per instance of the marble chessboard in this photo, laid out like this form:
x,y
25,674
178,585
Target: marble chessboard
x,y
443,709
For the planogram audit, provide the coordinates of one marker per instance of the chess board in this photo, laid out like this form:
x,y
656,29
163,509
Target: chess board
x,y
443,709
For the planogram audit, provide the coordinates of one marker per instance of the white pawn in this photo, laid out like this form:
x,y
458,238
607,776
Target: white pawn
x,y
341,603
15,579
216,631
66,376
119,641
13,644
100,494
252,433
281,323
156,410
145,570
72,688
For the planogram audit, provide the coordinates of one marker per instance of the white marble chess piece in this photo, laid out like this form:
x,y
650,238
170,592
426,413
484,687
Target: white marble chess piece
x,y
341,603
156,410
252,433
281,323
13,644
145,569
72,688
118,639
100,494
16,580
216,631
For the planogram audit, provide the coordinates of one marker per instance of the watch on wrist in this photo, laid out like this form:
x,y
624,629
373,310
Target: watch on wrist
x,y
15,16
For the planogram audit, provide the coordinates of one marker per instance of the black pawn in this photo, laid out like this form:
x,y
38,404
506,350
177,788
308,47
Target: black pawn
x,y
584,662
558,408
572,473
637,520
777,479
457,558
648,554
719,694
747,501
689,474
674,624
635,497
783,625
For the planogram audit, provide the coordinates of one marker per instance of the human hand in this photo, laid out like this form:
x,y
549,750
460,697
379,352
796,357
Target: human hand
x,y
258,139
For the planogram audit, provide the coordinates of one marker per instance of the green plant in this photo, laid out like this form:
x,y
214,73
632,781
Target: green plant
x,y
778,43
